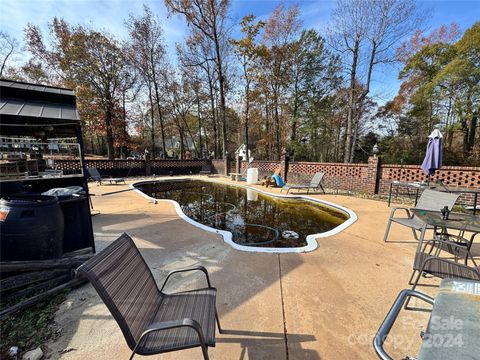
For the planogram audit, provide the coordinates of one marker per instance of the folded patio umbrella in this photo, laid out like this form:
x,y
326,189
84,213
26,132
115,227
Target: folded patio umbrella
x,y
434,155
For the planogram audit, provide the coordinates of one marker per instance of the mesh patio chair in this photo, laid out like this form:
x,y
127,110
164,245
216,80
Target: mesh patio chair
x,y
430,261
429,200
315,183
151,320
94,175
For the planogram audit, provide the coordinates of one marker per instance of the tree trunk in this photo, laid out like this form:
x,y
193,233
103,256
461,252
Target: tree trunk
x,y
293,135
247,111
351,103
160,115
267,128
200,145
109,131
221,81
471,133
277,128
214,120
152,121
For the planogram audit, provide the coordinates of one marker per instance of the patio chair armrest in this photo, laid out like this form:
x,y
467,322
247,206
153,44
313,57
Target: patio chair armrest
x,y
194,268
452,244
392,315
394,210
172,324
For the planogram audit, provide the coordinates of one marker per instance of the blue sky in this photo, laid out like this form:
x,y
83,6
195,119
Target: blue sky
x,y
110,15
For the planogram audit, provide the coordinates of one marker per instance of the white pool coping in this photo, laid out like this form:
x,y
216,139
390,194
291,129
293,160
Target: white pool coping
x,y
312,244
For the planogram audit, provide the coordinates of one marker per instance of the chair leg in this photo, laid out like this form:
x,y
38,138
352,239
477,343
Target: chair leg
x,y
218,322
413,288
415,234
204,351
387,230
411,277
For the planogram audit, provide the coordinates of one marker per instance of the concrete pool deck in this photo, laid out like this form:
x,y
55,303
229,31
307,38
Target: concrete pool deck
x,y
325,304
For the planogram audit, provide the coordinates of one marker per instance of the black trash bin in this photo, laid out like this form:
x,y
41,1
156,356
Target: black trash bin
x,y
77,232
31,228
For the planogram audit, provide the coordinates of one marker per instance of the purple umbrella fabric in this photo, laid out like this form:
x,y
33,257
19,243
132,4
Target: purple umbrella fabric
x,y
434,155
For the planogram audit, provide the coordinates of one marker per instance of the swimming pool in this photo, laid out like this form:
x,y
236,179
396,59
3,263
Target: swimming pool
x,y
254,220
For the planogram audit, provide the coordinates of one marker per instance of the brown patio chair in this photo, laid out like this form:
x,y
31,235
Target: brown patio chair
x,y
429,200
151,320
430,261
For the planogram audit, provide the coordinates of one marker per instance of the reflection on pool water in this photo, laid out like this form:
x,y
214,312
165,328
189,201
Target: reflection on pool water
x,y
254,219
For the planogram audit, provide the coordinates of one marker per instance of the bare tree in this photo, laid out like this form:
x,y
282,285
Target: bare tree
x,y
197,52
366,33
8,47
147,54
208,17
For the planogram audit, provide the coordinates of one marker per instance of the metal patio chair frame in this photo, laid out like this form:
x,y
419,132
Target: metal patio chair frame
x,y
315,183
429,261
429,200
151,320
95,175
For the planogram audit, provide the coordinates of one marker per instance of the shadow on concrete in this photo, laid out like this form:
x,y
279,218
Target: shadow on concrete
x,y
238,276
259,344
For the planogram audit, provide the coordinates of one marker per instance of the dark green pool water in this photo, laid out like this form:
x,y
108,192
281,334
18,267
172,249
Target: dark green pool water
x,y
253,219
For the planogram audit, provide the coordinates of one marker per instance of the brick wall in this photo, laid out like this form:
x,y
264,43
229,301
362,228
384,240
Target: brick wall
x,y
374,177
451,176
265,168
136,167
218,166
454,176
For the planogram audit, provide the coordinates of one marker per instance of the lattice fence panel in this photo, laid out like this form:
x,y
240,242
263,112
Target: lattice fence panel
x,y
265,168
177,167
350,177
450,176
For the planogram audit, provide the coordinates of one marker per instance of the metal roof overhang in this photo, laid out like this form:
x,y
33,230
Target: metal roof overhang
x,y
30,110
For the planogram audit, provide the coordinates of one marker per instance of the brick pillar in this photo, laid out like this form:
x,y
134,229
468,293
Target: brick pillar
x,y
373,174
284,159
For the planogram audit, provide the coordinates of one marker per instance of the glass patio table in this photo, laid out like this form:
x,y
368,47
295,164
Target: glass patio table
x,y
456,221
453,331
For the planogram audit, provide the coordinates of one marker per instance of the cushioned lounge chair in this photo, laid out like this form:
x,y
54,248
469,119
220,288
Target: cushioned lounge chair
x,y
94,175
429,200
151,320
315,183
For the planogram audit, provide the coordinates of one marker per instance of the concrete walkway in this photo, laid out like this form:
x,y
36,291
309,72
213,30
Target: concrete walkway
x,y
326,304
